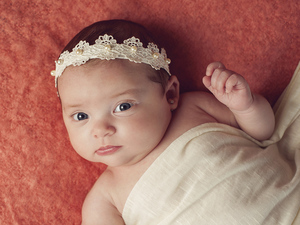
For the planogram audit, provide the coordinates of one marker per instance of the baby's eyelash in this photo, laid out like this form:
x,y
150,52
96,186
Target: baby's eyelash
x,y
123,107
80,116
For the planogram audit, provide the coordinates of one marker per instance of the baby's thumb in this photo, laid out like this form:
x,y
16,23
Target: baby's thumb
x,y
206,80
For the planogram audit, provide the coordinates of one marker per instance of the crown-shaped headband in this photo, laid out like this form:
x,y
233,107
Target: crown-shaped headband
x,y
106,47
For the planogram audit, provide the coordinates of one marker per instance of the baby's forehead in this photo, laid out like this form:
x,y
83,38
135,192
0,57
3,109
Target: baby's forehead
x,y
93,79
100,67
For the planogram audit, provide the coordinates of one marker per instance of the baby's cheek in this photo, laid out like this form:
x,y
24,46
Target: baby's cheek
x,y
76,142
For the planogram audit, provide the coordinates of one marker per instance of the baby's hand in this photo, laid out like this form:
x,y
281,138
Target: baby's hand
x,y
229,88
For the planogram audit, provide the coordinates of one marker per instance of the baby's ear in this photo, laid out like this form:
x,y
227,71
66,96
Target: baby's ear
x,y
172,92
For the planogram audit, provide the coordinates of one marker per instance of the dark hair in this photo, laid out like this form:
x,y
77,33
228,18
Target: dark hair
x,y
120,30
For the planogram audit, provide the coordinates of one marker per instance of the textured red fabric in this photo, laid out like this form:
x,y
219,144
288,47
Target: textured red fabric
x,y
42,180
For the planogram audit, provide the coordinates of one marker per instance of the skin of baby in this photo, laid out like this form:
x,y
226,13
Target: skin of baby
x,y
116,115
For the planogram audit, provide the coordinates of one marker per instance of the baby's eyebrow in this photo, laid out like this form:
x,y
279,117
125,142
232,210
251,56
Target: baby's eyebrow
x,y
130,91
70,106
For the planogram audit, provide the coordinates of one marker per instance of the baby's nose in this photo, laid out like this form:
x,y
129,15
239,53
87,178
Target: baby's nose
x,y
103,128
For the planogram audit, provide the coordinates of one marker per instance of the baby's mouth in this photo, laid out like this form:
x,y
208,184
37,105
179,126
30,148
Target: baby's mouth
x,y
107,150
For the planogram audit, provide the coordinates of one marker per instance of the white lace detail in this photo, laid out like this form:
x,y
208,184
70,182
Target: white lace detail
x,y
106,47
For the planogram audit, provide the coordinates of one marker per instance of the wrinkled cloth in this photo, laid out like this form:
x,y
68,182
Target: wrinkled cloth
x,y
216,174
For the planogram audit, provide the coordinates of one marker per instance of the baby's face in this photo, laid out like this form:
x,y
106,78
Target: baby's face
x,y
113,113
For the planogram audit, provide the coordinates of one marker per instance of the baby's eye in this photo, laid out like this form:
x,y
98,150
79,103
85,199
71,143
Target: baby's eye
x,y
123,107
80,116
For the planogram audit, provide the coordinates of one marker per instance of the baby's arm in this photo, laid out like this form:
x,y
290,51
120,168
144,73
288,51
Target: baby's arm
x,y
98,210
252,112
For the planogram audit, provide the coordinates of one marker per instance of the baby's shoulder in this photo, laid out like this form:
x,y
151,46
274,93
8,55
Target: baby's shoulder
x,y
197,102
192,111
197,98
98,205
100,189
114,186
203,107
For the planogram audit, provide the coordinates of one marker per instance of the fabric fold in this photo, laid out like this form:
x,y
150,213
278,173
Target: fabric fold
x,y
216,174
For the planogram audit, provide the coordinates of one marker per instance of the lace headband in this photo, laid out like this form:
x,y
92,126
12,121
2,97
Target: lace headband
x,y
106,47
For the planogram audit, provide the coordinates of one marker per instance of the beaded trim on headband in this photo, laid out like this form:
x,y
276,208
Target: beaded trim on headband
x,y
106,47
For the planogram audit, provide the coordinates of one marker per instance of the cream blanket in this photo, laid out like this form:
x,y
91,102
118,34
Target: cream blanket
x,y
216,174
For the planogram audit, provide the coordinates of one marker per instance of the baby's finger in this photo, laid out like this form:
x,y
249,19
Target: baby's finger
x,y
215,77
219,82
222,79
213,66
231,82
206,80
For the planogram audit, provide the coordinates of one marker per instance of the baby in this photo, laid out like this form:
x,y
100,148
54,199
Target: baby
x,y
121,107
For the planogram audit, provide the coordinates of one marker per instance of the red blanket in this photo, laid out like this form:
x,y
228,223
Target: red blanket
x,y
42,180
